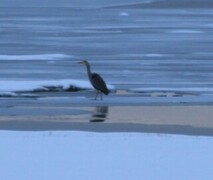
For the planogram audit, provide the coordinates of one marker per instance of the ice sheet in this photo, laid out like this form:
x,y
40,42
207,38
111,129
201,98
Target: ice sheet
x,y
82,155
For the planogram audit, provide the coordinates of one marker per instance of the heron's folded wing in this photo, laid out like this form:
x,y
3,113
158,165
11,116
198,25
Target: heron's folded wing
x,y
99,83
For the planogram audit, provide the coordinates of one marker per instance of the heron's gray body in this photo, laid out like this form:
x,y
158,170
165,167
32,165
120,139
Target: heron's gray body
x,y
99,84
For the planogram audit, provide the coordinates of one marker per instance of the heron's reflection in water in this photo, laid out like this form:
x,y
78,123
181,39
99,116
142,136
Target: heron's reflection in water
x,y
100,114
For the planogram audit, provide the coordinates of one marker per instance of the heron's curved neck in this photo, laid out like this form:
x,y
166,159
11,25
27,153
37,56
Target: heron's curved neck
x,y
88,70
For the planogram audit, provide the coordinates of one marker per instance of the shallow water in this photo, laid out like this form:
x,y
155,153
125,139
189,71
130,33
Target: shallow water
x,y
81,155
136,49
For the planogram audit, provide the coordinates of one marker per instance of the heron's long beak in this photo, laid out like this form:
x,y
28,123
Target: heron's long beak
x,y
81,62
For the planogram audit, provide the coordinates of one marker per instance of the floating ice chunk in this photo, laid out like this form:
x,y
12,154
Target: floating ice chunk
x,y
124,14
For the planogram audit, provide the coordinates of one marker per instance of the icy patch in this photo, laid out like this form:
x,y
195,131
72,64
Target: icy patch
x,y
124,14
34,57
144,55
154,55
186,31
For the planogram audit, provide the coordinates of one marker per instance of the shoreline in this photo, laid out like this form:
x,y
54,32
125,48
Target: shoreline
x,y
186,120
105,128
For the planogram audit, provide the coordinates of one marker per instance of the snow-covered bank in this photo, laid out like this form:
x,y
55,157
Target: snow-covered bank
x,y
8,88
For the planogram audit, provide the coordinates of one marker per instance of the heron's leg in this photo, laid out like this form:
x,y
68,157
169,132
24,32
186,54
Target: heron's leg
x,y
101,95
97,92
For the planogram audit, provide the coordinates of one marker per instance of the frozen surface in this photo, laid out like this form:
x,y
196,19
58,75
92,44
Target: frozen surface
x,y
81,155
131,47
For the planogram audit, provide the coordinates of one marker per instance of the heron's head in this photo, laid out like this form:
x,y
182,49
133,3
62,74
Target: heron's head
x,y
83,62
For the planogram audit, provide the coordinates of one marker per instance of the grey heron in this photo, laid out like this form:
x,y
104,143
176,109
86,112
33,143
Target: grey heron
x,y
96,80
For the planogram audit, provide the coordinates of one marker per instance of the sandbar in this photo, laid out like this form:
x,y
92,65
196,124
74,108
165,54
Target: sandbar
x,y
167,119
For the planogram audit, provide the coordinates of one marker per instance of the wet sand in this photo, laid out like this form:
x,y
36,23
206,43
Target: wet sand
x,y
172,119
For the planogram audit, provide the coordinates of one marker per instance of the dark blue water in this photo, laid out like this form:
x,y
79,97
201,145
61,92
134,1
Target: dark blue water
x,y
133,47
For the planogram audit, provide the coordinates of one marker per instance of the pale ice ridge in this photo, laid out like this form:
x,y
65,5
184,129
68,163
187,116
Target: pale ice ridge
x,y
44,85
35,57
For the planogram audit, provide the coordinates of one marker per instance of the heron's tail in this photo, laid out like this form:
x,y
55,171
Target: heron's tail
x,y
106,92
